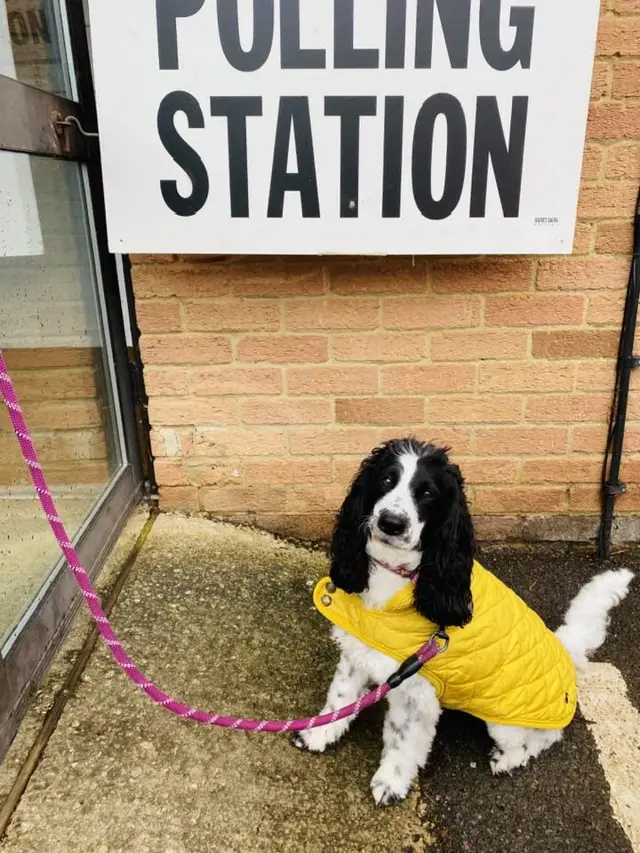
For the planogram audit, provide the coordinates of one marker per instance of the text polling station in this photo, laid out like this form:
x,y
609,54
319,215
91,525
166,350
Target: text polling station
x,y
342,126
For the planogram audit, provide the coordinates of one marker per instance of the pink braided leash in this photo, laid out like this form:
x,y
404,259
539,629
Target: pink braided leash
x,y
412,665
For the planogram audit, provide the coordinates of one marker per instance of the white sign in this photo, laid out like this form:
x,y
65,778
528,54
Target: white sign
x,y
342,126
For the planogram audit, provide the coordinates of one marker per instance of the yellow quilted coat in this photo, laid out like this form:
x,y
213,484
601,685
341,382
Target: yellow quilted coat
x,y
505,666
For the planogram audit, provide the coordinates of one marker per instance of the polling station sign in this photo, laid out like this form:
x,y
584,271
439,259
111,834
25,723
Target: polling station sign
x,y
342,126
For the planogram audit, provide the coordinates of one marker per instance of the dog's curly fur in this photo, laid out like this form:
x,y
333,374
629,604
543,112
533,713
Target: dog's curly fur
x,y
406,512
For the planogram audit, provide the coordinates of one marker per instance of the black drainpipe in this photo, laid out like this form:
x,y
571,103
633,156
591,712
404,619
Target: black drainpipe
x,y
612,486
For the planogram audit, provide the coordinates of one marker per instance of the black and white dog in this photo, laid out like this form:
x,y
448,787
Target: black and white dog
x,y
406,515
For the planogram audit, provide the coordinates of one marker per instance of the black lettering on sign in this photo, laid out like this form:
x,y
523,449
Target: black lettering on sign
x,y
455,18
38,26
294,118
167,14
184,155
346,55
521,18
237,111
507,160
292,55
396,40
229,26
349,110
450,107
392,157
18,28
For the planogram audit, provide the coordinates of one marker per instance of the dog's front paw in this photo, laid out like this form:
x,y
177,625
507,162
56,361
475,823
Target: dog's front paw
x,y
298,740
388,787
313,740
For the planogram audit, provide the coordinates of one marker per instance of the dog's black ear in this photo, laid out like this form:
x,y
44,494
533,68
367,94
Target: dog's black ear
x,y
349,559
443,587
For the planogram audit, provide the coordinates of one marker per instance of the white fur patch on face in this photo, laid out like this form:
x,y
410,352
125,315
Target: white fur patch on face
x,y
400,502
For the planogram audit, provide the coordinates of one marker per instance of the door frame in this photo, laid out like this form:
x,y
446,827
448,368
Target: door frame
x,y
28,125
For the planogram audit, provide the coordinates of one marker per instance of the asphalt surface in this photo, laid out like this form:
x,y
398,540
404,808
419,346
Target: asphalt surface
x,y
223,619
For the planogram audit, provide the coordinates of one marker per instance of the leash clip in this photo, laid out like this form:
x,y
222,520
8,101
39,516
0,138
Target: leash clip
x,y
414,663
440,634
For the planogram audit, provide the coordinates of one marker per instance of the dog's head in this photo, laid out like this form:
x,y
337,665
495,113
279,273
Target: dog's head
x,y
408,496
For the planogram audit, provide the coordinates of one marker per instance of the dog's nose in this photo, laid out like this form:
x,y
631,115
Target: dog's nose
x,y
392,524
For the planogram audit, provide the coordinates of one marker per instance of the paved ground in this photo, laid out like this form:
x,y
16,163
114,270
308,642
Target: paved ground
x,y
223,618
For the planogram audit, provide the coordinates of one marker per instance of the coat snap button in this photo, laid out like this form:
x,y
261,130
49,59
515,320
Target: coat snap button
x,y
331,587
326,600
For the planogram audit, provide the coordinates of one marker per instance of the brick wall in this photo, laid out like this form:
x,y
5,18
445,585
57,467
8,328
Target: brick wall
x,y
270,378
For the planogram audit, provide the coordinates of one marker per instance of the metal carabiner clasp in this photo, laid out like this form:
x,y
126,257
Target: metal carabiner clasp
x,y
442,635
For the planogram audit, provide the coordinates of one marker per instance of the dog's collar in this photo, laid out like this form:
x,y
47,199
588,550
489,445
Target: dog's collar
x,y
401,571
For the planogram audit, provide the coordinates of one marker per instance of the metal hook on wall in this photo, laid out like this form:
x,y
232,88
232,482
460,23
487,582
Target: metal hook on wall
x,y
61,126
69,121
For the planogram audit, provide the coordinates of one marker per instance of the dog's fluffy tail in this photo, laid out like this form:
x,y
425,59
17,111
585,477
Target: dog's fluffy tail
x,y
587,619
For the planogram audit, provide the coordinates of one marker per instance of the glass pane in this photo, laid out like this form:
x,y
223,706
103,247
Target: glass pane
x,y
32,44
53,338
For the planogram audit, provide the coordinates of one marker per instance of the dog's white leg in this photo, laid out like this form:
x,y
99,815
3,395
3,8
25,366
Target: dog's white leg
x,y
347,686
516,746
409,730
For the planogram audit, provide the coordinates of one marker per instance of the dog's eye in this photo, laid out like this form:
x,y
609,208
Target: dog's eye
x,y
387,482
426,493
